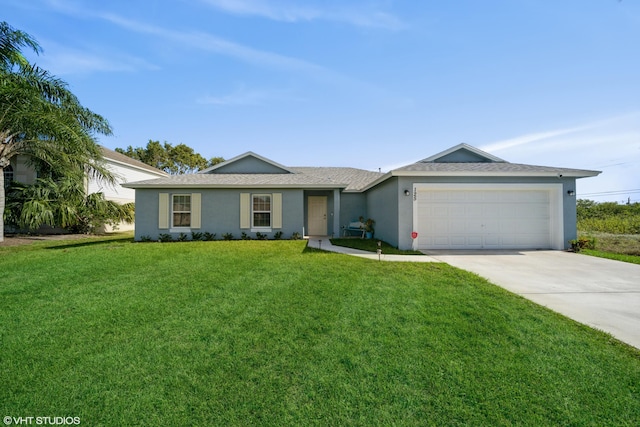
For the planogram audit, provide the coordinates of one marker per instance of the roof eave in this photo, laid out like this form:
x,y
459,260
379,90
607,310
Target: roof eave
x,y
537,174
234,186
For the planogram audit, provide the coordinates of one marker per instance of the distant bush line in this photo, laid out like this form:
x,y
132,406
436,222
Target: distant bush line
x,y
608,217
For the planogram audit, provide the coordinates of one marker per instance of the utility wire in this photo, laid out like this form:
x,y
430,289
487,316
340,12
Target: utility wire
x,y
612,193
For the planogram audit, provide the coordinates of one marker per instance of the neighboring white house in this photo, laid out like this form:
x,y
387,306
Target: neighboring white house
x,y
123,168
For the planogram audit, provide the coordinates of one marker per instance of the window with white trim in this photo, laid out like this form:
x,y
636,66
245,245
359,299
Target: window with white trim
x,y
8,176
181,210
261,211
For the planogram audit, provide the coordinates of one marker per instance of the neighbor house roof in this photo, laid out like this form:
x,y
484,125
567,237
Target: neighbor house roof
x,y
116,157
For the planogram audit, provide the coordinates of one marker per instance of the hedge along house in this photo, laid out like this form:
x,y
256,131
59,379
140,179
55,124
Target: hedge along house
x,y
461,198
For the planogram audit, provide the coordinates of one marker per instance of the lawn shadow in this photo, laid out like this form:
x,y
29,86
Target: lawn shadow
x,y
80,244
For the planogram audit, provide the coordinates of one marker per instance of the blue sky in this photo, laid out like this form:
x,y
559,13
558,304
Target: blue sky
x,y
363,83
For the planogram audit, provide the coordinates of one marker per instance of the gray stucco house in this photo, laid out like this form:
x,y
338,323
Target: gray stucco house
x,y
461,198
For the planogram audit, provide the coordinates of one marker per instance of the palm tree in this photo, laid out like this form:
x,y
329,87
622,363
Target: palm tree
x,y
41,118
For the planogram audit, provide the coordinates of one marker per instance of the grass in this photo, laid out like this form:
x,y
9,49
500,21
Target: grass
x,y
633,259
273,333
620,247
627,244
371,245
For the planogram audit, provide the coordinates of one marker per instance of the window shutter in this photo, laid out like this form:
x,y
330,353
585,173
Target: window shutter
x,y
196,207
276,210
245,210
163,210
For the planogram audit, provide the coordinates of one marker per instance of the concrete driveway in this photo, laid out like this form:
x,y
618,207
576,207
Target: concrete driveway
x,y
601,293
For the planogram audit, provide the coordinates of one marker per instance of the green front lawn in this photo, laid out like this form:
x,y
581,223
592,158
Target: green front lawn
x,y
271,333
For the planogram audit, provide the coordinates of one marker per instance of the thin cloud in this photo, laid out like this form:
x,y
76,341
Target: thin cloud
x,y
539,137
63,61
293,12
243,96
199,40
238,98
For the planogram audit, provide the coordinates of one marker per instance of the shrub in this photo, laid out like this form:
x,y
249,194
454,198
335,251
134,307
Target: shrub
x,y
245,236
209,236
608,217
582,243
146,238
261,236
196,235
296,236
227,236
182,237
278,235
165,237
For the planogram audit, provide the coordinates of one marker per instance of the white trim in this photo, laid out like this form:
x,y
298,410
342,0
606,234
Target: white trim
x,y
236,186
173,196
270,211
556,207
548,174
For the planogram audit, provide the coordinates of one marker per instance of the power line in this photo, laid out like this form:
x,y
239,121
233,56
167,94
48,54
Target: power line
x,y
612,193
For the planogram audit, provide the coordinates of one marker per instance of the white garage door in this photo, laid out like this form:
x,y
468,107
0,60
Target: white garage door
x,y
486,217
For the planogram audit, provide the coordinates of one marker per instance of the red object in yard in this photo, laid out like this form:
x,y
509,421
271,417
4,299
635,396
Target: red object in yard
x,y
414,234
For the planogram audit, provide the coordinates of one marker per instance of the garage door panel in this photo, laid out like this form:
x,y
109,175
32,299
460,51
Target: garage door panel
x,y
476,219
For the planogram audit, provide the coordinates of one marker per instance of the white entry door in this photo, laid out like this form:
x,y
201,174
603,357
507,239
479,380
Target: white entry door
x,y
317,215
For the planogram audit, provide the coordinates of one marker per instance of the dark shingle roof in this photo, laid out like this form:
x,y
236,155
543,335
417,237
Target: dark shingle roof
x,y
302,177
491,168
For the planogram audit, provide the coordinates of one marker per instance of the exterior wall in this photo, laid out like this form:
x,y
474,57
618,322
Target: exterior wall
x,y
122,174
352,206
382,207
116,192
405,205
220,212
248,165
462,156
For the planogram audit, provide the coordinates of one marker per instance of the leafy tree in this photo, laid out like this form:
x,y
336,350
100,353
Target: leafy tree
x,y
40,117
175,160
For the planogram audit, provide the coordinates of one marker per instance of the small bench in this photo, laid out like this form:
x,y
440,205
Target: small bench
x,y
354,227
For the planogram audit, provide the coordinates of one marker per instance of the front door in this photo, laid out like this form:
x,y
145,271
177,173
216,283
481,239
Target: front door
x,y
317,215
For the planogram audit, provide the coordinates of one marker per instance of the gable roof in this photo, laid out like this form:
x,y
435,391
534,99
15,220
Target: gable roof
x,y
219,168
460,161
116,157
463,151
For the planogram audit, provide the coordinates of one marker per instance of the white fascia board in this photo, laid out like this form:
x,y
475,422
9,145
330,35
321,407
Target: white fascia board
x,y
231,187
568,174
